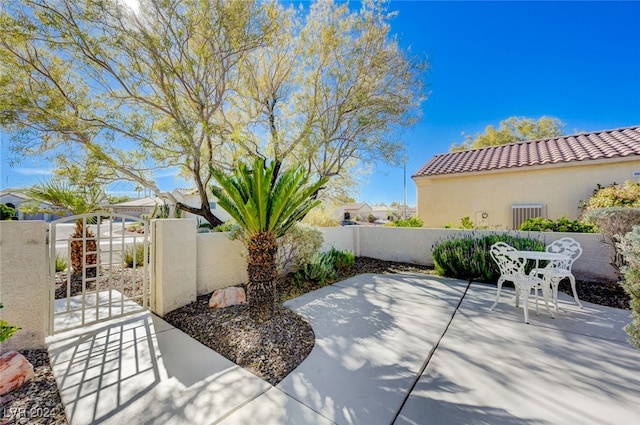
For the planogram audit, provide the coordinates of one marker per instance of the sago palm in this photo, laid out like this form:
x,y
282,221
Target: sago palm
x,y
75,202
266,205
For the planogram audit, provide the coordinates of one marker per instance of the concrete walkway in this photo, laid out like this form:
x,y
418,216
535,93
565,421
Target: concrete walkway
x,y
403,348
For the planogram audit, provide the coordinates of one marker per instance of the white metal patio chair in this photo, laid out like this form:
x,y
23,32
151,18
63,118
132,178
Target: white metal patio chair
x,y
558,270
512,270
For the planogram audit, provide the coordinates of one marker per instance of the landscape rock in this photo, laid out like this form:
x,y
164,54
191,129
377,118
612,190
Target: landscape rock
x,y
227,297
15,370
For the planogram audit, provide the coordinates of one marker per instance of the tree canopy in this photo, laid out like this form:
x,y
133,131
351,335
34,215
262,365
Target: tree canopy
x,y
512,130
186,85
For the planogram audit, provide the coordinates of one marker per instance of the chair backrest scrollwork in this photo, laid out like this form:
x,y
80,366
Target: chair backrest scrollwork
x,y
566,246
508,263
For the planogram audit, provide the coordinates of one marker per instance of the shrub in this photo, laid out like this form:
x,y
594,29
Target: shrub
x,y
371,218
467,257
6,212
342,261
614,195
319,270
6,330
135,255
61,263
298,246
614,223
629,246
409,222
563,224
321,217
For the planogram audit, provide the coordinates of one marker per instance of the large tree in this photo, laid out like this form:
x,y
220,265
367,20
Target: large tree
x,y
511,130
266,204
190,84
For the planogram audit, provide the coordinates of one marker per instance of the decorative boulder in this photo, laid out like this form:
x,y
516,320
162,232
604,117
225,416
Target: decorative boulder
x,y
15,370
227,297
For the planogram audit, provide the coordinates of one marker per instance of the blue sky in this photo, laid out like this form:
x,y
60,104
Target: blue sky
x,y
577,61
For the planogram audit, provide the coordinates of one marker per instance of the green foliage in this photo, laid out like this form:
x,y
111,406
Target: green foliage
x,y
298,246
6,330
324,267
321,216
614,195
319,270
467,256
466,223
135,255
512,130
261,200
61,263
6,212
409,222
563,224
371,218
67,197
629,246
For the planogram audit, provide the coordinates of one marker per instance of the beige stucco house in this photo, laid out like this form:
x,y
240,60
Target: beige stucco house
x,y
501,186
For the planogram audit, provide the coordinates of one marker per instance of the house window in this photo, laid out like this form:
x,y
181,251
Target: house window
x,y
212,205
522,212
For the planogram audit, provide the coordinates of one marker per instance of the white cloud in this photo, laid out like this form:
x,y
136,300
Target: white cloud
x,y
33,171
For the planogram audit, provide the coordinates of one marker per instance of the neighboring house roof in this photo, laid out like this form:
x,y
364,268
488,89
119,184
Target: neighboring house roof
x,y
24,197
621,142
142,202
357,206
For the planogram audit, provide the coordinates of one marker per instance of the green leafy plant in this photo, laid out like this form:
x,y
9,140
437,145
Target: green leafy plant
x,y
466,223
466,256
6,330
342,261
614,195
563,224
319,270
409,222
629,246
297,247
135,255
371,218
6,212
61,263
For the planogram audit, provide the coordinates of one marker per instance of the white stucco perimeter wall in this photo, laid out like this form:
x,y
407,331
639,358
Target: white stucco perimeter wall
x,y
414,245
24,290
221,262
342,238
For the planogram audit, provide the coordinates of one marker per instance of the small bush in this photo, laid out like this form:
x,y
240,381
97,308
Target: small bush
x,y
342,261
298,246
614,195
467,257
135,255
6,330
61,263
409,222
629,246
563,224
371,218
319,270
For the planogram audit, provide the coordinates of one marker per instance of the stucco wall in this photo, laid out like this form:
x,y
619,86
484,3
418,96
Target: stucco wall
x,y
339,238
413,245
446,199
23,282
221,262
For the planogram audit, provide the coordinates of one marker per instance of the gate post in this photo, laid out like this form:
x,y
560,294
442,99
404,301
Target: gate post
x,y
174,263
24,289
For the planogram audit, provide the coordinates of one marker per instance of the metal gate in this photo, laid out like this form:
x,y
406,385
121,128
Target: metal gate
x,y
99,269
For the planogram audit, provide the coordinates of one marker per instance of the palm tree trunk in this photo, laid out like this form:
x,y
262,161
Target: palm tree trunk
x,y
78,250
262,270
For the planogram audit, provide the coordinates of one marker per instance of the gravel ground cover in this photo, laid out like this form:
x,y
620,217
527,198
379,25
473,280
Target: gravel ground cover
x,y
270,350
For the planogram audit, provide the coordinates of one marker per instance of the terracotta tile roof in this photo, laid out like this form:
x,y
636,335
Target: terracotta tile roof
x,y
620,142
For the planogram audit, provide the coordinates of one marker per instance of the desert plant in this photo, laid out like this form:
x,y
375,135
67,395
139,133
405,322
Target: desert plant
x,y
320,270
409,222
321,217
297,247
371,218
6,330
563,224
629,246
61,263
341,260
266,204
135,255
613,223
467,256
7,212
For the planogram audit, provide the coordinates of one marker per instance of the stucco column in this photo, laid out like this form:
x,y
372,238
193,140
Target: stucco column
x,y
24,281
174,263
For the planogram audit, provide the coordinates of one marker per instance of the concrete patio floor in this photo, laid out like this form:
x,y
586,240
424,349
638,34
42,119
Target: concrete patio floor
x,y
402,348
